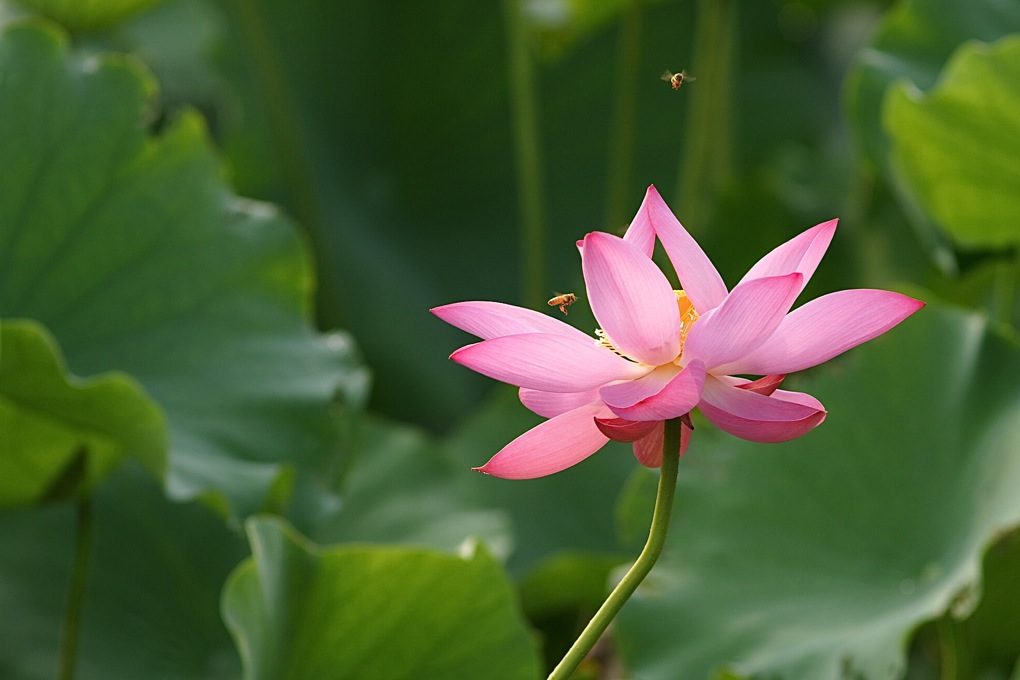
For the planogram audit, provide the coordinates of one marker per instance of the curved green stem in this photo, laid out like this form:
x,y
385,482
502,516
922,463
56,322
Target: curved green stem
x,y
639,570
76,596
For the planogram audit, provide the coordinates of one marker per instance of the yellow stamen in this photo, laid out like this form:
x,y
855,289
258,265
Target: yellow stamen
x,y
604,341
688,315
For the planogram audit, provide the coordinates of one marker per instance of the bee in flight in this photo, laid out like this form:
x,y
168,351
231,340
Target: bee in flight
x,y
563,301
677,79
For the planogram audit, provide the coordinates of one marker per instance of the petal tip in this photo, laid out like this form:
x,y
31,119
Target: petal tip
x,y
457,355
652,195
907,305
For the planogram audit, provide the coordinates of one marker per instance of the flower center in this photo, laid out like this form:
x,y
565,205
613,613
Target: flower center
x,y
688,315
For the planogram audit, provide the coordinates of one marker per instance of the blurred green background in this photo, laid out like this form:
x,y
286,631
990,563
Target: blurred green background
x,y
396,134
281,372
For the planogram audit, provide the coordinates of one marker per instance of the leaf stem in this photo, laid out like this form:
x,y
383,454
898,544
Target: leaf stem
x,y
76,595
284,120
1004,290
642,565
621,148
529,167
705,163
947,647
290,147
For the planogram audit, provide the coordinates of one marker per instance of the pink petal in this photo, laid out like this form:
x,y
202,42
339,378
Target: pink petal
x,y
823,328
551,404
548,362
765,385
648,450
745,319
552,446
756,417
624,394
494,319
640,233
801,398
800,254
698,276
663,394
621,430
632,299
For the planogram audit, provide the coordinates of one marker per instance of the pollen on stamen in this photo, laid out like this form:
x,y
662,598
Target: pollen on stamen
x,y
688,315
602,340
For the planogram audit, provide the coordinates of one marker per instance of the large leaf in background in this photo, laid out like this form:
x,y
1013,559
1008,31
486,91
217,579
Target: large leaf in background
x,y
956,146
913,42
151,604
569,511
60,435
132,252
558,532
817,558
407,487
80,15
299,611
402,488
987,643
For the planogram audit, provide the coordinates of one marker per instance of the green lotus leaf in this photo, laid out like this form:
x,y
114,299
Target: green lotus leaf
x,y
986,643
300,611
956,146
150,608
914,40
128,247
817,558
78,15
569,511
403,489
62,434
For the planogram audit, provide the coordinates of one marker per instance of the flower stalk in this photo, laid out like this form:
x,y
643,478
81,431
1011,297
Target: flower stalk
x,y
642,565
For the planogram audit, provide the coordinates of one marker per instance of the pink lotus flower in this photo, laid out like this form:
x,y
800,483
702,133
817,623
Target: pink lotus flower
x,y
661,352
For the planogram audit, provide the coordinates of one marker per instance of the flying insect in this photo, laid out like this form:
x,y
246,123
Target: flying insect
x,y
677,79
563,301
